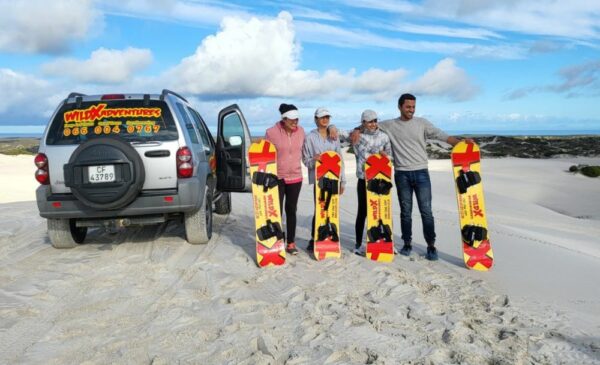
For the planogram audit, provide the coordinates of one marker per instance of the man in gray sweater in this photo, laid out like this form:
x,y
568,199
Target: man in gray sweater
x,y
408,136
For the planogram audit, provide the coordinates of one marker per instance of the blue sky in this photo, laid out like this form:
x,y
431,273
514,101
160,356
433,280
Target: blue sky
x,y
474,65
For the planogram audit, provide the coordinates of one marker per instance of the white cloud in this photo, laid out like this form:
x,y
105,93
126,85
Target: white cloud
x,y
261,58
384,5
578,77
245,60
577,80
376,80
546,46
202,15
358,38
178,11
469,33
196,14
576,19
514,116
472,121
447,80
40,26
24,97
253,58
310,13
245,57
105,66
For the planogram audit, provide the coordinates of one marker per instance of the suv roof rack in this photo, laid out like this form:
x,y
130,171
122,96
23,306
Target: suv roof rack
x,y
167,91
78,99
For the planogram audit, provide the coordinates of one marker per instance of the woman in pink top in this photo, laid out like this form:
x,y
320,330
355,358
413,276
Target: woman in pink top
x,y
288,138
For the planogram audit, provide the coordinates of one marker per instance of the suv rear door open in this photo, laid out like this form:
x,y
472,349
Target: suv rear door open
x,y
233,142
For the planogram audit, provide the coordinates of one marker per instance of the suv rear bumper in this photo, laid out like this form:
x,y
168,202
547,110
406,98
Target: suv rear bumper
x,y
185,198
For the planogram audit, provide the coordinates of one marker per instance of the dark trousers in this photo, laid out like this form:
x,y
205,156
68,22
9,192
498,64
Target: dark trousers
x,y
290,193
312,226
417,182
361,214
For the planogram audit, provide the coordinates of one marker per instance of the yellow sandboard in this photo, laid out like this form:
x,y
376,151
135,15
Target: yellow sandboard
x,y
466,167
378,178
327,221
270,245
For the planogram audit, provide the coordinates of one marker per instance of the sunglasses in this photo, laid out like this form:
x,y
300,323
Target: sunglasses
x,y
372,121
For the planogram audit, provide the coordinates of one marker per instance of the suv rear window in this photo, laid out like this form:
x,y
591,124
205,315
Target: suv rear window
x,y
132,120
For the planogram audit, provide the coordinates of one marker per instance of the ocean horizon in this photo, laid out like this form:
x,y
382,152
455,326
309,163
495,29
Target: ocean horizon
x,y
527,132
514,132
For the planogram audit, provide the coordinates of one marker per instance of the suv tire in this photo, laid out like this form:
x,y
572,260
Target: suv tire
x,y
129,170
64,233
198,224
223,205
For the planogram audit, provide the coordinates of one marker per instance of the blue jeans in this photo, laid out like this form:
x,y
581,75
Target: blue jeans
x,y
418,182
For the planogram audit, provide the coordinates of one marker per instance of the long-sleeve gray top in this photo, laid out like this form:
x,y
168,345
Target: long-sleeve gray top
x,y
408,141
314,144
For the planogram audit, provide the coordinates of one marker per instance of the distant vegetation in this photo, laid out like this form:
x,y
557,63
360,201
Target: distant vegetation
x,y
19,146
526,147
590,171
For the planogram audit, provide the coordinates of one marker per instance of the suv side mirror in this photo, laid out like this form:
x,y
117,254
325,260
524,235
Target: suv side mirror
x,y
235,141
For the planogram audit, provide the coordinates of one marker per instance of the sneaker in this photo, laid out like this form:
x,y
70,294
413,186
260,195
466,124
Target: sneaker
x,y
310,246
432,254
291,248
406,249
359,252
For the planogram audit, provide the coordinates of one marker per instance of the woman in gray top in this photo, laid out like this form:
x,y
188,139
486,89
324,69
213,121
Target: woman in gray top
x,y
316,142
372,140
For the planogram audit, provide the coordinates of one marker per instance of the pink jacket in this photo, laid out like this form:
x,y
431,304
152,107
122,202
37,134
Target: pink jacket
x,y
289,152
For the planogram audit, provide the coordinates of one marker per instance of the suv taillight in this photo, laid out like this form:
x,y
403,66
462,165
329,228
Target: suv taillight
x,y
41,174
185,167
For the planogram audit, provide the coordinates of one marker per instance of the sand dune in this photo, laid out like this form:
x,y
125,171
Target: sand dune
x,y
146,296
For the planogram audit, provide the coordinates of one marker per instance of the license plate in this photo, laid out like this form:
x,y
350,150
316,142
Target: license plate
x,y
100,174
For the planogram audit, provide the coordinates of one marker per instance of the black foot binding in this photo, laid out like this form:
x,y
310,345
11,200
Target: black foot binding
x,y
471,233
466,179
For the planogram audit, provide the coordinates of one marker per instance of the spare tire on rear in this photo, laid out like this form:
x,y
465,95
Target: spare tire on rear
x,y
117,188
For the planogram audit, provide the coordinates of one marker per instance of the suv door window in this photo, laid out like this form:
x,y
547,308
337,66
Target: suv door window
x,y
131,119
207,141
233,142
188,123
232,130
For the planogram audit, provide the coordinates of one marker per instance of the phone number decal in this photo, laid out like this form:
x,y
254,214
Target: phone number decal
x,y
147,127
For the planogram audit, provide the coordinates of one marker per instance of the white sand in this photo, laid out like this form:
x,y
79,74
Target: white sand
x,y
17,180
146,296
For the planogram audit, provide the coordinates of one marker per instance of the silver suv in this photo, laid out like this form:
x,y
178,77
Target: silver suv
x,y
125,159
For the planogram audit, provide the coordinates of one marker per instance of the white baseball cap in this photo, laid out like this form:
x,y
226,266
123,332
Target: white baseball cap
x,y
368,115
322,112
